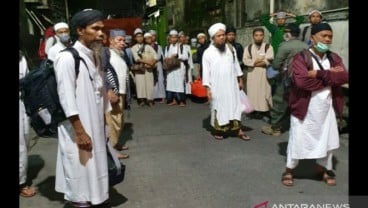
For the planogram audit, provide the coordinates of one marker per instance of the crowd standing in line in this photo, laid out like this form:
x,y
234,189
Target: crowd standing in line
x,y
104,87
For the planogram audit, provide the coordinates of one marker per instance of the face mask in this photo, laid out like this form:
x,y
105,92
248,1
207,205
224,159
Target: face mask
x,y
321,47
64,38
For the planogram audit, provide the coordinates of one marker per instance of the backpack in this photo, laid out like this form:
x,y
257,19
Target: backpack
x,y
48,33
307,57
250,49
40,96
304,32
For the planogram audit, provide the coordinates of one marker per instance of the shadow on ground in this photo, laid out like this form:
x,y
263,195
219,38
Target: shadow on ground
x,y
127,133
47,189
35,165
306,168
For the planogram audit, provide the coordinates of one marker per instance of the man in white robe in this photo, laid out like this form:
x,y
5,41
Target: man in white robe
x,y
176,77
81,166
315,99
159,88
188,64
222,77
63,40
24,189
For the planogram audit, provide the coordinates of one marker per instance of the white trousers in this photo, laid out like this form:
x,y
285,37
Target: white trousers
x,y
324,162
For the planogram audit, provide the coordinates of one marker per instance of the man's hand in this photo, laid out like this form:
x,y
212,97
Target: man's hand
x,y
336,69
82,139
113,98
312,73
209,94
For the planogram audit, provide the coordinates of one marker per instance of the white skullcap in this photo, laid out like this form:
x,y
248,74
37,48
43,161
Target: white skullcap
x,y
215,28
147,34
314,11
137,31
201,35
152,32
173,32
181,33
60,25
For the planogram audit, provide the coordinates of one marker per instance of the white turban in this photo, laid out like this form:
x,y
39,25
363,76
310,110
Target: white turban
x,y
152,32
201,35
60,25
215,28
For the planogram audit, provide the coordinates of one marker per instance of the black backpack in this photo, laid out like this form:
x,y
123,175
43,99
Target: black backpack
x,y
40,96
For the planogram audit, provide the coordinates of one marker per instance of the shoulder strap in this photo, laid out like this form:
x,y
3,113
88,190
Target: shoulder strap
x,y
304,32
307,58
232,50
77,60
250,50
266,47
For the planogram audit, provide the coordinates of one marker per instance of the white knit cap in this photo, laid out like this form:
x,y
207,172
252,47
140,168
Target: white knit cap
x,y
215,28
153,32
201,35
60,25
147,34
314,11
137,31
173,32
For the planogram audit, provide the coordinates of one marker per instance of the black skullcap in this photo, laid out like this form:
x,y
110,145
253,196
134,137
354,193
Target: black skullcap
x,y
230,29
85,17
293,29
320,27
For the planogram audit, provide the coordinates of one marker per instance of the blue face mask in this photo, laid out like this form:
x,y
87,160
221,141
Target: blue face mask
x,y
321,47
64,38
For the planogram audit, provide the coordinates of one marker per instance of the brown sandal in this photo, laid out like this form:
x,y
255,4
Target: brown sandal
x,y
27,191
287,179
218,137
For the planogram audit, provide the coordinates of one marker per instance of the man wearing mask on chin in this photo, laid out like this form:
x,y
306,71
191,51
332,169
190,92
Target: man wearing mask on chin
x,y
315,99
63,40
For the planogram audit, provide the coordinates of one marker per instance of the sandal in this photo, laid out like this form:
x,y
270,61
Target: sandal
x,y
27,191
218,137
329,178
287,179
243,136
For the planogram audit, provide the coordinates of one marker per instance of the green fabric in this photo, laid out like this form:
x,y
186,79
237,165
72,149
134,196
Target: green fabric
x,y
280,114
287,49
230,129
277,32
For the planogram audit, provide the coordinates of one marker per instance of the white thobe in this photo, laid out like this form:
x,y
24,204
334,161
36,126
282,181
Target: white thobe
x,y
188,89
159,88
220,72
175,77
121,70
54,50
23,128
81,175
317,134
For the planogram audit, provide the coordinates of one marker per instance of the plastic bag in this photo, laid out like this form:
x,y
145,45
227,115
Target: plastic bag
x,y
245,103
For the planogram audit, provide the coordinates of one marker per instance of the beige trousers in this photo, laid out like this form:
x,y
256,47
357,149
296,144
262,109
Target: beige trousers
x,y
115,120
